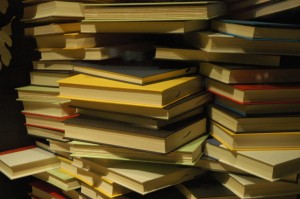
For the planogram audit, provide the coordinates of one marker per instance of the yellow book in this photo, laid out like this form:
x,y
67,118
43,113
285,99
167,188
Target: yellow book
x,y
84,87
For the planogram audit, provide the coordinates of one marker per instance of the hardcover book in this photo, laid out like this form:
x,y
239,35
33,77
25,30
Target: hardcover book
x,y
26,161
85,87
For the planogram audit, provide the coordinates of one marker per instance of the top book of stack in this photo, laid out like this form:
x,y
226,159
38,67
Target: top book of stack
x,y
154,11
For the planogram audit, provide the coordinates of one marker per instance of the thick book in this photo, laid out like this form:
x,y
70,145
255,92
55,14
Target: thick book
x,y
48,78
53,65
271,8
56,109
134,49
223,43
59,179
270,165
258,30
255,93
41,189
205,187
53,11
249,74
138,120
185,155
185,54
39,93
146,177
80,40
85,87
245,186
166,112
88,173
258,108
51,29
121,134
154,27
45,132
255,141
26,161
156,11
260,123
47,121
136,74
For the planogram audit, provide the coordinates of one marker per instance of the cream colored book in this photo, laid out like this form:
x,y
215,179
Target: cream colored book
x,y
185,54
157,27
270,165
53,11
53,28
185,155
59,179
146,177
26,161
252,187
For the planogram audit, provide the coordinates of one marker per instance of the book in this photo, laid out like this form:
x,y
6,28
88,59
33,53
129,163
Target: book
x,y
45,132
26,161
135,50
146,177
53,65
82,87
137,74
239,5
212,164
255,141
51,29
166,112
205,187
156,11
46,121
255,93
252,187
39,94
184,54
88,173
138,120
267,164
154,27
266,10
222,43
59,179
75,194
185,155
48,78
79,40
257,30
263,123
56,109
53,11
258,109
40,189
114,133
248,74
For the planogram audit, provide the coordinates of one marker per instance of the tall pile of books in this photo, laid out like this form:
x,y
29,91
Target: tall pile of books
x,y
158,100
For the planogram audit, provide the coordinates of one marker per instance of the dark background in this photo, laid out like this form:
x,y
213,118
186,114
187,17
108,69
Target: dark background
x,y
13,133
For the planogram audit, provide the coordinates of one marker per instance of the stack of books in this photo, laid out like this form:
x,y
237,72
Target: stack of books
x,y
159,99
117,121
252,129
